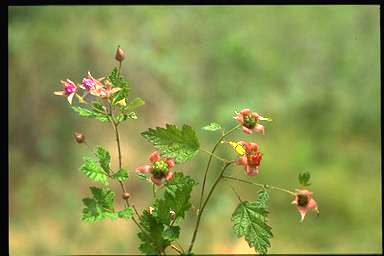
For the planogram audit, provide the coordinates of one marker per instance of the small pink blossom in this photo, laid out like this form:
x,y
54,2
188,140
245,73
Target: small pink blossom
x,y
70,89
249,120
160,168
304,201
251,158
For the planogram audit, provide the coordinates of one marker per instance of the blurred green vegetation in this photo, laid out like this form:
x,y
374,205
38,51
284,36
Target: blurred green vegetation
x,y
313,69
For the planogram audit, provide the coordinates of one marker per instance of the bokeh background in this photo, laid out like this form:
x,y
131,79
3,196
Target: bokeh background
x,y
313,69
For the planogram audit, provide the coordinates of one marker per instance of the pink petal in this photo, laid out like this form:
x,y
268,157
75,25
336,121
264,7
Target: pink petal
x,y
169,175
144,169
170,162
243,160
255,115
245,111
156,181
258,128
252,146
251,170
239,118
246,130
302,211
154,156
312,204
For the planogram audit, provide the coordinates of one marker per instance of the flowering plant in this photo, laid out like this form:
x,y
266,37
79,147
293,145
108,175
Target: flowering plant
x,y
107,99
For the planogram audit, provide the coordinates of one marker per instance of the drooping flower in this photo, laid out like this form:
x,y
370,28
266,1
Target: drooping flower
x,y
160,168
97,88
250,157
304,201
70,89
249,120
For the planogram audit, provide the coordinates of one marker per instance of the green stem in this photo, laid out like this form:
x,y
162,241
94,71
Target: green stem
x,y
210,159
205,203
221,159
154,191
265,186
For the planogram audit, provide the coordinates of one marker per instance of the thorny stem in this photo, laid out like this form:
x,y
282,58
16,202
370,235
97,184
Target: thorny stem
x,y
265,186
205,203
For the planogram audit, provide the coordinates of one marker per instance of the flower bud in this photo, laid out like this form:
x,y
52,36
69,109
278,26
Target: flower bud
x,y
79,137
119,54
126,195
172,214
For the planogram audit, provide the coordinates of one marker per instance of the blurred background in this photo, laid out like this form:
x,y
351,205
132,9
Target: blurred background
x,y
313,69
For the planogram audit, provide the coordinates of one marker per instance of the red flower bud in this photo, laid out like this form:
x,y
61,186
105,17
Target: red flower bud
x,y
119,54
126,195
79,137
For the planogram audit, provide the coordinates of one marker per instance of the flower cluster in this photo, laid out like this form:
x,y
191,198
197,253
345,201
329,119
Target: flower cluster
x,y
251,158
249,120
93,86
304,201
160,168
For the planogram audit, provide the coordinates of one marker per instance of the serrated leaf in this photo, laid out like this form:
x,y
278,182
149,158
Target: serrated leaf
x,y
250,220
120,175
103,196
180,145
100,206
126,213
89,113
212,127
92,170
104,158
171,233
152,237
135,103
304,178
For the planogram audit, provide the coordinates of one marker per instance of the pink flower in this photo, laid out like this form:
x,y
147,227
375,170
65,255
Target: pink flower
x,y
70,89
304,201
160,168
249,120
251,158
97,88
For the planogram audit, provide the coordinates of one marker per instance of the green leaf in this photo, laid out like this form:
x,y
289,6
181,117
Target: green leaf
x,y
249,220
121,117
104,158
137,102
89,113
171,233
92,170
126,214
152,238
100,206
212,127
120,175
176,198
304,178
180,145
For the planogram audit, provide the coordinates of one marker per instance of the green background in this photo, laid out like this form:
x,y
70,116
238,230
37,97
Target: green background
x,y
313,69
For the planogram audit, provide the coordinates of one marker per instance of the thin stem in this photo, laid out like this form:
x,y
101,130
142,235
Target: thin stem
x,y
266,186
176,249
118,72
234,191
205,203
210,159
154,191
222,159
